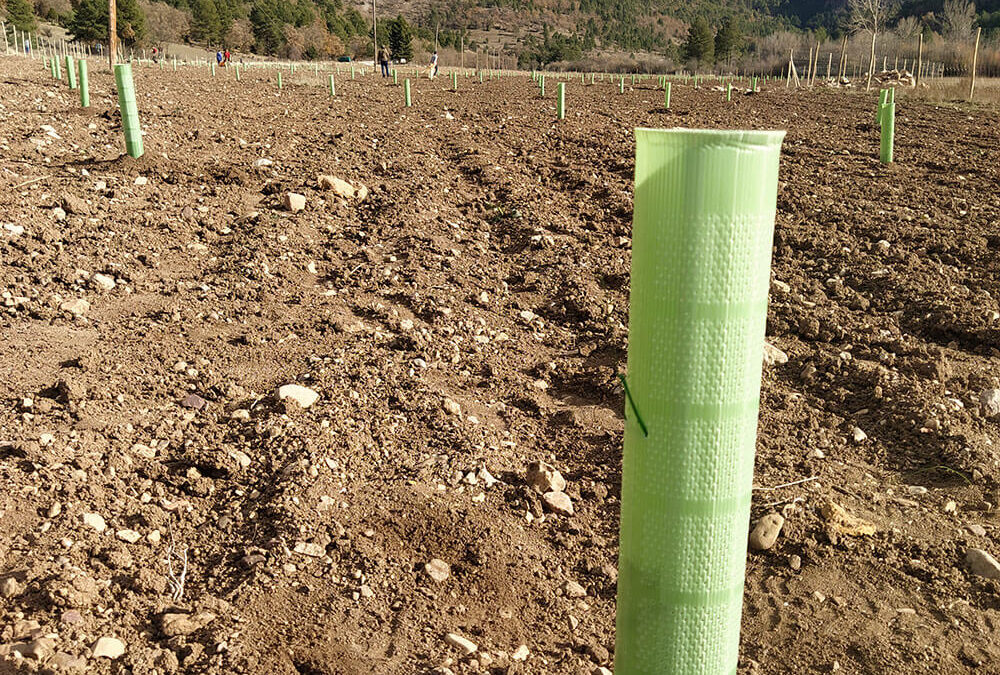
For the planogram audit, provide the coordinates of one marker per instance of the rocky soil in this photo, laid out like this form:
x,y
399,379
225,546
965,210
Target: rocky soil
x,y
329,386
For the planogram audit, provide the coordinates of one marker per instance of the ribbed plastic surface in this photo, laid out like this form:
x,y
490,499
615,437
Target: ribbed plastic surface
x,y
701,255
129,110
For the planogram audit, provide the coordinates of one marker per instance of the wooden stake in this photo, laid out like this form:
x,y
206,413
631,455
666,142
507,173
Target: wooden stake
x,y
920,59
112,34
842,71
975,59
829,66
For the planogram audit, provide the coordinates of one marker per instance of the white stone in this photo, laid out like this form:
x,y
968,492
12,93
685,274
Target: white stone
x,y
982,563
521,653
451,407
309,548
95,520
108,648
773,355
103,281
304,396
131,536
558,502
294,201
989,402
460,643
438,570
77,307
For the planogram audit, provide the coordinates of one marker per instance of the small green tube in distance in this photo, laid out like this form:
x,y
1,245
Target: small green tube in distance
x,y
129,110
213,68
454,81
541,85
237,72
333,86
888,132
561,100
279,79
407,99
58,70
621,85
84,84
703,227
666,96
395,77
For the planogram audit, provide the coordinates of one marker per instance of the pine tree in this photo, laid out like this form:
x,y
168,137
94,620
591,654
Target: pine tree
x,y
700,44
131,21
728,40
90,21
205,23
21,15
401,39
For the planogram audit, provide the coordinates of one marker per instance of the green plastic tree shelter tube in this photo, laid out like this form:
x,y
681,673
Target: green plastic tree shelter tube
x,y
333,85
701,252
84,84
407,99
129,110
666,96
561,100
70,72
888,132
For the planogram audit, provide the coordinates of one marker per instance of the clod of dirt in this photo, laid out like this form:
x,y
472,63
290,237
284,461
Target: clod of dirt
x,y
765,534
75,205
982,564
174,624
842,522
545,478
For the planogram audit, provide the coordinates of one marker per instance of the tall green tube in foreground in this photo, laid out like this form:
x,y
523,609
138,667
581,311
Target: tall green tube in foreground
x,y
561,100
129,110
84,84
701,254
407,99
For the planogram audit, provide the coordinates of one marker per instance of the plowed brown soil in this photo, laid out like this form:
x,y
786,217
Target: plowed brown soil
x,y
488,266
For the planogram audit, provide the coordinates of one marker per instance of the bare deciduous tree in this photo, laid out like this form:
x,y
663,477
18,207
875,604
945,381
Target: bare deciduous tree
x,y
958,18
870,16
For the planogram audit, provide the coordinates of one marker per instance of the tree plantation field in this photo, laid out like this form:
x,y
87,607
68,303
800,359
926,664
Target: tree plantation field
x,y
445,287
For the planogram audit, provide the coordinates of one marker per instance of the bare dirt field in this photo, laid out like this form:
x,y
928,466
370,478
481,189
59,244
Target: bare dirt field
x,y
463,315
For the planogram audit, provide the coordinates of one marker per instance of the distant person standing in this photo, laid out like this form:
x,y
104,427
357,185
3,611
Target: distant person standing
x,y
218,58
226,57
434,66
383,58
